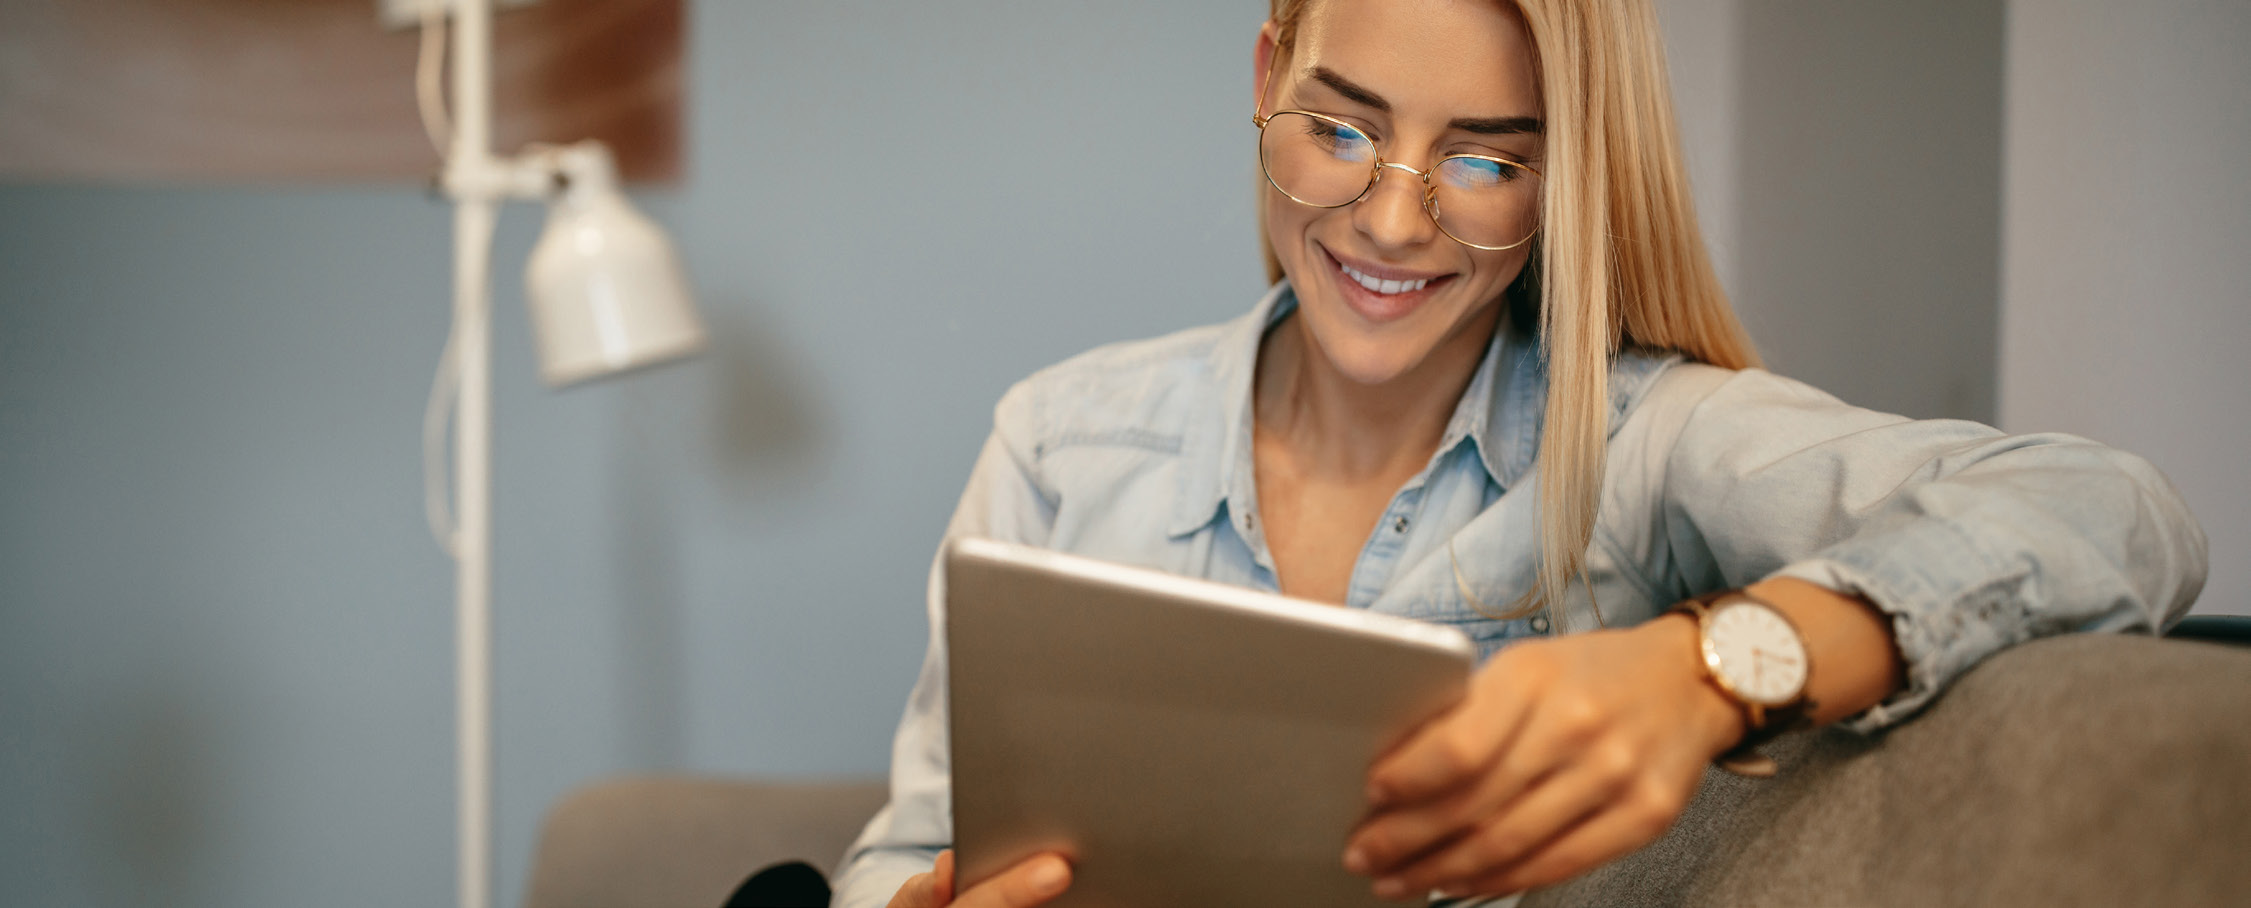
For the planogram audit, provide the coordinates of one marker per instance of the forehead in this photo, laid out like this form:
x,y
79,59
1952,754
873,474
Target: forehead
x,y
1447,57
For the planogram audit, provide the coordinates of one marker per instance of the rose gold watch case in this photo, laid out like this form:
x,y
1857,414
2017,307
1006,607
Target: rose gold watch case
x,y
1756,707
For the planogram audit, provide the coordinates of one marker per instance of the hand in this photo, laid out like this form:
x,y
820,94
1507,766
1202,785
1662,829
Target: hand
x,y
1034,881
1566,753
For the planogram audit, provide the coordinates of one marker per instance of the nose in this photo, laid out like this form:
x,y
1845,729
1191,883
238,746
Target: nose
x,y
1392,215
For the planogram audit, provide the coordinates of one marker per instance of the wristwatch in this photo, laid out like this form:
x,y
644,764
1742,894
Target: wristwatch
x,y
1758,659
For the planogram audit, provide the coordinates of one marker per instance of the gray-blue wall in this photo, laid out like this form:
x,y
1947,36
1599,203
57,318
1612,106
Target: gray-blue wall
x,y
225,635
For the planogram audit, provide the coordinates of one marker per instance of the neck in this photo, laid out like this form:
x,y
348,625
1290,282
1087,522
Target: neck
x,y
1349,429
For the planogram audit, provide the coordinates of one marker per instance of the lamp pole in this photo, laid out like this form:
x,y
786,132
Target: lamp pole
x,y
469,167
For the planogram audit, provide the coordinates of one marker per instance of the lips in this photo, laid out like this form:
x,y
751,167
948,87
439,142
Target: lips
x,y
1379,294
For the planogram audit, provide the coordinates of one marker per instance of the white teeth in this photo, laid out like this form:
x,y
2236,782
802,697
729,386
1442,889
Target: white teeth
x,y
1380,286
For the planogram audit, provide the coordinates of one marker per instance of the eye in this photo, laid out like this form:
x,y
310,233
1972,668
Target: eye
x,y
1479,173
1340,141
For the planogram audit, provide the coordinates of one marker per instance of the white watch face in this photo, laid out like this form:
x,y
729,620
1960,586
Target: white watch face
x,y
1756,651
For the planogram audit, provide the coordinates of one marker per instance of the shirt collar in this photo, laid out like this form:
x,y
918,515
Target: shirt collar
x,y
1499,414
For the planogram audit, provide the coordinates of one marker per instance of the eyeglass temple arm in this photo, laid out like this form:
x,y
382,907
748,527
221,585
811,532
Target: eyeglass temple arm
x,y
1259,107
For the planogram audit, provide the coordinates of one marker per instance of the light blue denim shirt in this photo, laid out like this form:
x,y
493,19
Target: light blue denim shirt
x,y
1970,540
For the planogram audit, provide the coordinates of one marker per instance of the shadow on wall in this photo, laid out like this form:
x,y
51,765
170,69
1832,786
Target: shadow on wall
x,y
770,434
743,412
159,790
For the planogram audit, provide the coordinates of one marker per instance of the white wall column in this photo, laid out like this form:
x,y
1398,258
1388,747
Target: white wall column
x,y
2126,275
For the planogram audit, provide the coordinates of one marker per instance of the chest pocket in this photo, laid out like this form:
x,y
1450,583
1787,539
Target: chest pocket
x,y
1457,588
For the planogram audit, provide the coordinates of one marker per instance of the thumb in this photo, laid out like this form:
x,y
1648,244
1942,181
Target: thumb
x,y
944,877
1033,882
919,891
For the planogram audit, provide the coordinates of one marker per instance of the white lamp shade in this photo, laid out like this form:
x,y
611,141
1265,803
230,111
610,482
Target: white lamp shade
x,y
607,292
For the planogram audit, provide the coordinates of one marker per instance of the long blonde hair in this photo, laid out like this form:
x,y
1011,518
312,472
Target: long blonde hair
x,y
1620,261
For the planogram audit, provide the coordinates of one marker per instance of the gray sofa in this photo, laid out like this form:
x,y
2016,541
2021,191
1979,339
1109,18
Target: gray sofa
x,y
2081,770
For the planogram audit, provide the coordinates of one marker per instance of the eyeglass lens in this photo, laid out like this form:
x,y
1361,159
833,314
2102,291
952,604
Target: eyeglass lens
x,y
1328,164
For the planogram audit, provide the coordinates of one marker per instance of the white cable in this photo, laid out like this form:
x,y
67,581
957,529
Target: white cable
x,y
429,73
437,417
437,414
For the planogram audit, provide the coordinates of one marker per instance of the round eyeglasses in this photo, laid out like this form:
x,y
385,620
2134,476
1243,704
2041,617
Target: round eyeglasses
x,y
1481,201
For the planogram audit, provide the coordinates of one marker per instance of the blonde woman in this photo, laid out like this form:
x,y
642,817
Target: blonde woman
x,y
1497,386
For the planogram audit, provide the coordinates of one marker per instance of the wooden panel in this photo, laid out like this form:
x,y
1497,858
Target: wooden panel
x,y
313,90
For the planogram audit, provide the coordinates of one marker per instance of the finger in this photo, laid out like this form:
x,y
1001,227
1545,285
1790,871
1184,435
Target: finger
x,y
1396,838
1521,827
1029,883
1544,746
1600,838
1443,755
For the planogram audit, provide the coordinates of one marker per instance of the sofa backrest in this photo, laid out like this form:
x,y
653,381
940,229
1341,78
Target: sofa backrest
x,y
2089,769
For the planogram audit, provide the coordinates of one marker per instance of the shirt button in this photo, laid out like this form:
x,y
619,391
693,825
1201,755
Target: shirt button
x,y
1400,525
1539,624
1250,521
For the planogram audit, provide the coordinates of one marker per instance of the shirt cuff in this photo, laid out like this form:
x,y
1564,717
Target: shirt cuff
x,y
876,876
1944,621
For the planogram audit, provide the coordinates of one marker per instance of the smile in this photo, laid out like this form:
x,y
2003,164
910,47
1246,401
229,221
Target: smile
x,y
1380,293
1384,287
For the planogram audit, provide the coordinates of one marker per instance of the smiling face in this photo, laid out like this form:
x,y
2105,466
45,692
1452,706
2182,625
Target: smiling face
x,y
1383,293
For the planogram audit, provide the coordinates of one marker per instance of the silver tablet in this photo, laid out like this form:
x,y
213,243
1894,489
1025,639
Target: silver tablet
x,y
1184,743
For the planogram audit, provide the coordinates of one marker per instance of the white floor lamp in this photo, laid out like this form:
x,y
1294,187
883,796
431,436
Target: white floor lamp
x,y
607,295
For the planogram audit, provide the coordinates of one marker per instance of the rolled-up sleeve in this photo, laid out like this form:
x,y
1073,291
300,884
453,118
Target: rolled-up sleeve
x,y
1968,539
1004,500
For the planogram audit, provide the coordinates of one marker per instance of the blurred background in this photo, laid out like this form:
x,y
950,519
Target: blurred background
x,y
226,635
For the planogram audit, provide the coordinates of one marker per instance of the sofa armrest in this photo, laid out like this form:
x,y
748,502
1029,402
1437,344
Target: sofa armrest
x,y
663,841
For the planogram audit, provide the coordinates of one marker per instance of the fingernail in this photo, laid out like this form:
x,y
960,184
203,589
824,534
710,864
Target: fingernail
x,y
1356,860
1390,888
1050,876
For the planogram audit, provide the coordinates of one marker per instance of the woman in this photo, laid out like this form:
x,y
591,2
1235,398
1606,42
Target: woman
x,y
1495,296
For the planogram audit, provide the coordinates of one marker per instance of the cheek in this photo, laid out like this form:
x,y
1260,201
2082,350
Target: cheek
x,y
1501,268
1286,221
1287,226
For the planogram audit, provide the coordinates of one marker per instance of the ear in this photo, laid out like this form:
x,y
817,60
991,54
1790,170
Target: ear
x,y
1262,62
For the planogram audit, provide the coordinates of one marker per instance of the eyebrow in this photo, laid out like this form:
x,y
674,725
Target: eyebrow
x,y
1491,126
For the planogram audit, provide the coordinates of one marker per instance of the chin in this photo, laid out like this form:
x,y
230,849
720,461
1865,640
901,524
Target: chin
x,y
1367,357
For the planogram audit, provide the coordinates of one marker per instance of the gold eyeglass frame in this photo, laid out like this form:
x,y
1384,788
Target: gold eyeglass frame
x,y
1375,171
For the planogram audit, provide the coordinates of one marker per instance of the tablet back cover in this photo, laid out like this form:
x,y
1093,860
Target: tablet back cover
x,y
1184,743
